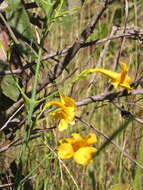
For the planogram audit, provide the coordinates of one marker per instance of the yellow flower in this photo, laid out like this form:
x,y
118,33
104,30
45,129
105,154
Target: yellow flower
x,y
77,147
117,79
65,111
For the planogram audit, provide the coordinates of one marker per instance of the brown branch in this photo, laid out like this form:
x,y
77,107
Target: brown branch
x,y
100,97
97,98
107,96
3,149
135,32
86,44
134,35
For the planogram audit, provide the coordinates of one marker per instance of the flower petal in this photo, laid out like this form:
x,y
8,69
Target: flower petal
x,y
111,74
124,71
70,113
84,155
76,137
67,101
56,115
115,83
63,125
91,139
126,85
55,103
65,151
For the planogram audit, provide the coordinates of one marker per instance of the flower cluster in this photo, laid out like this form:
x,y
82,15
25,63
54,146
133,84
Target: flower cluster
x,y
77,147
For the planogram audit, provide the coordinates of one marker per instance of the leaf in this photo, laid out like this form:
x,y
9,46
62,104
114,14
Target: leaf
x,y
9,87
19,21
48,6
13,4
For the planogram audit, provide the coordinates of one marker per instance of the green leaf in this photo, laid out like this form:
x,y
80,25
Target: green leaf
x,y
13,4
20,23
48,6
9,87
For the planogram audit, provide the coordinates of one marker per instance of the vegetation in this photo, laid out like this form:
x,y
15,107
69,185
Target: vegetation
x,y
71,94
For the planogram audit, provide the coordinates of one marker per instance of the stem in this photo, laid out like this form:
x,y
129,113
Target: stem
x,y
29,126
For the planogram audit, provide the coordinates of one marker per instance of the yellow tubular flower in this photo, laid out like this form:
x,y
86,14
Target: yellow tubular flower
x,y
65,112
117,79
79,148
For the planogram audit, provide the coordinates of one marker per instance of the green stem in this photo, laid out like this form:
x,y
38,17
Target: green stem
x,y
32,101
29,125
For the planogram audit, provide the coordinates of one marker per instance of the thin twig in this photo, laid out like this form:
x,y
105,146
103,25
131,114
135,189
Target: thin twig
x,y
18,141
13,115
9,29
107,96
6,185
